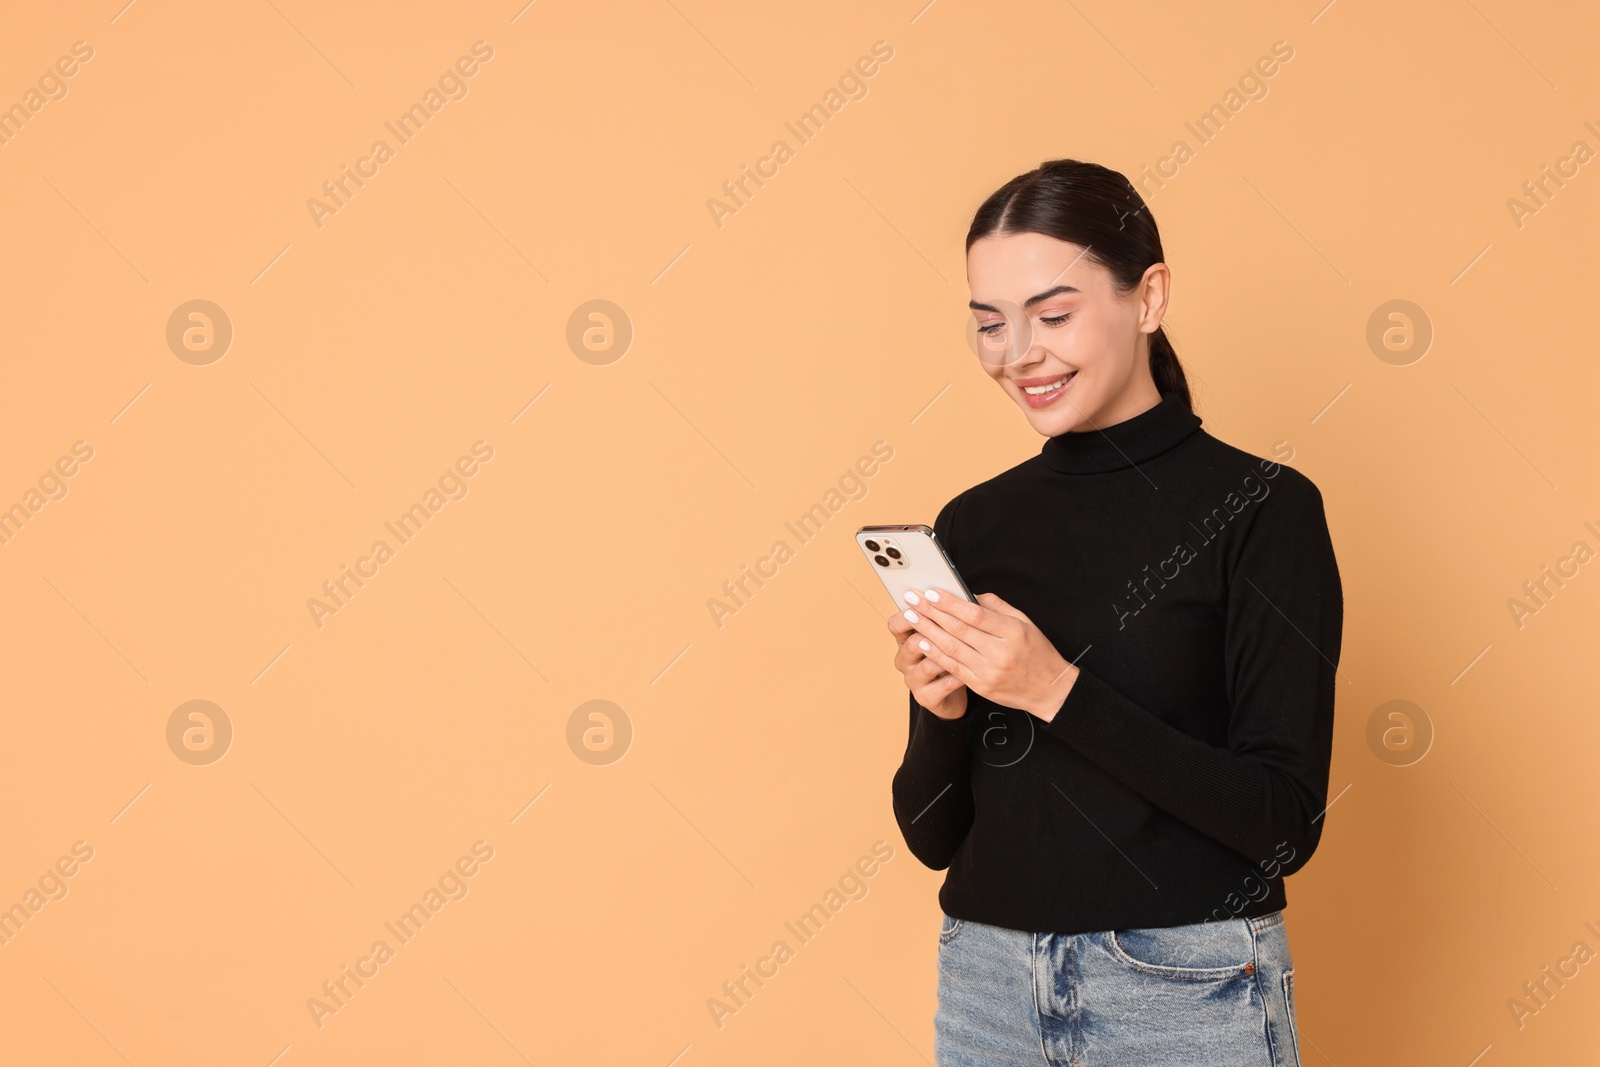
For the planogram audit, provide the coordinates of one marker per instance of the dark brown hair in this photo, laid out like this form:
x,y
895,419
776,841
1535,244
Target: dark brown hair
x,y
1099,209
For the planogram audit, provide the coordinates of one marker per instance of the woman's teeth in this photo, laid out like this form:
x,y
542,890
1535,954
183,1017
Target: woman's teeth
x,y
1039,390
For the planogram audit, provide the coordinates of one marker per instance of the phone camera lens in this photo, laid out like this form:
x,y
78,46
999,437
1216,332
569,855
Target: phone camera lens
x,y
880,561
892,553
872,546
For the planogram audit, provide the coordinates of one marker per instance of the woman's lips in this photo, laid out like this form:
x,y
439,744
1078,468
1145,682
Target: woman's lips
x,y
1044,400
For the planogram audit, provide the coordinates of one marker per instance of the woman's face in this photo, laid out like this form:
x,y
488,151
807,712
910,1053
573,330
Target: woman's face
x,y
1046,313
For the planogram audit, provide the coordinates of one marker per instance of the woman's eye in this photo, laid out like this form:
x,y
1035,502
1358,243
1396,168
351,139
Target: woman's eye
x,y
991,328
1057,320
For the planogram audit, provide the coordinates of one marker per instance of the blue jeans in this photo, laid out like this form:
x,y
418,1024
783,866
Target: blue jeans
x,y
1203,994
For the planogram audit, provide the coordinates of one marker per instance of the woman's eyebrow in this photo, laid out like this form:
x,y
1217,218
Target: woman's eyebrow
x,y
1028,303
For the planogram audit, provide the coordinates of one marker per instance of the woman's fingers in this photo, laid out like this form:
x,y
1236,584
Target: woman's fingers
x,y
929,680
944,660
994,603
937,691
907,656
899,625
975,625
932,634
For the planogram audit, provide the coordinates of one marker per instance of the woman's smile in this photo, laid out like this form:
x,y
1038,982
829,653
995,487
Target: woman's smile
x,y
1042,392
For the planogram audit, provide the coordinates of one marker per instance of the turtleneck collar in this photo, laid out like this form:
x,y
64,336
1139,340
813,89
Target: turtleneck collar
x,y
1123,444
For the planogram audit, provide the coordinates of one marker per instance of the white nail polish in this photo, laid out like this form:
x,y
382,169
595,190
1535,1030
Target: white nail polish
x,y
924,646
911,616
911,598
933,596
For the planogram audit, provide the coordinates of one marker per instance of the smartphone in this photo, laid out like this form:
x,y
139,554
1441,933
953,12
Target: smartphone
x,y
910,557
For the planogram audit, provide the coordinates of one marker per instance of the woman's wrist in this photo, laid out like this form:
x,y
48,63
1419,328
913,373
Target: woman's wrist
x,y
1055,695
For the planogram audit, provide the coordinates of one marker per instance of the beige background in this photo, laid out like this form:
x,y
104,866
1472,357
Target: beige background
x,y
768,355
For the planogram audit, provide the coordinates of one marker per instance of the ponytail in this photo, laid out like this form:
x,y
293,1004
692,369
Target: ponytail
x,y
1166,370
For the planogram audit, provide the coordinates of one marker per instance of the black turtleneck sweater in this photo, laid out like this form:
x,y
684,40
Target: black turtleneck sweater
x,y
1186,771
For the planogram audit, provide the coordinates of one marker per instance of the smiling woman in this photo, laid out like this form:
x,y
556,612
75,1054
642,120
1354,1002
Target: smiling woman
x,y
1171,759
1093,305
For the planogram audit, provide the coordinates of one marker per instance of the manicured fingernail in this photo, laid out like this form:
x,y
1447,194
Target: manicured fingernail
x,y
911,597
933,596
911,616
924,646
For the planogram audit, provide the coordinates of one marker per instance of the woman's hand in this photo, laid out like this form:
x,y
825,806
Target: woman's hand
x,y
991,648
940,692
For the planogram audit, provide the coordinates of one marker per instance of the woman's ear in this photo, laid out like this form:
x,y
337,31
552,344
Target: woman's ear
x,y
1154,288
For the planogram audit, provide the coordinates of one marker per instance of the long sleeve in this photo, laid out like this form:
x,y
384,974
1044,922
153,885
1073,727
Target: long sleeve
x,y
1284,623
932,790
